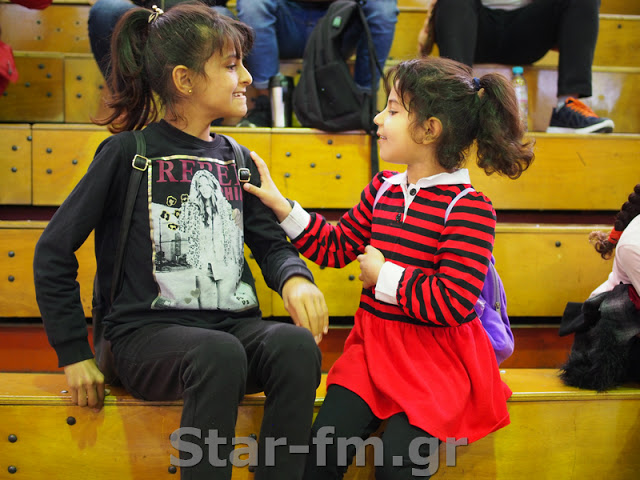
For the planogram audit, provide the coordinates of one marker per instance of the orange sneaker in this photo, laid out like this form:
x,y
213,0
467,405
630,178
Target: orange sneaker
x,y
575,117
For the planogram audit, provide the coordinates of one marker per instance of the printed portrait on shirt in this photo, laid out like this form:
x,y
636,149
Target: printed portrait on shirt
x,y
197,226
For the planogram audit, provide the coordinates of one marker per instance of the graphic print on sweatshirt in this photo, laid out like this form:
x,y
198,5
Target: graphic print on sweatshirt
x,y
195,205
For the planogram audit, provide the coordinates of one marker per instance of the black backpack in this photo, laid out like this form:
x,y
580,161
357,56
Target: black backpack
x,y
326,96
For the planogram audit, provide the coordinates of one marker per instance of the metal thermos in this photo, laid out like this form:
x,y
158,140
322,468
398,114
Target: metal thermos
x,y
281,93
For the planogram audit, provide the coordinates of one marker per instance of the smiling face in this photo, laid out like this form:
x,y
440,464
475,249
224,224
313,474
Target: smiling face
x,y
395,133
221,90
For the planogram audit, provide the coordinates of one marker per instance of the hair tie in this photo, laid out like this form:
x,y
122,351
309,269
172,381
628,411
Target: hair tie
x,y
476,83
155,14
614,236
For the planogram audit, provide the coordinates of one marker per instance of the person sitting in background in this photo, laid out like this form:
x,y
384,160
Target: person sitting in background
x,y
104,14
517,32
606,348
282,28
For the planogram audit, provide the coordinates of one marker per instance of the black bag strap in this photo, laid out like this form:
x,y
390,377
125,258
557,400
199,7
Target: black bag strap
x,y
241,161
139,167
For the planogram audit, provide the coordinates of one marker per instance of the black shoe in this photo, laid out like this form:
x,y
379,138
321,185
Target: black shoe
x,y
259,115
575,117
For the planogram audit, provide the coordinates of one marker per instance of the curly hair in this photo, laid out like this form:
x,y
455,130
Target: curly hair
x,y
602,241
483,110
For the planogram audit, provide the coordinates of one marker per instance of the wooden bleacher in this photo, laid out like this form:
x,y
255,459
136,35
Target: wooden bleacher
x,y
556,430
574,186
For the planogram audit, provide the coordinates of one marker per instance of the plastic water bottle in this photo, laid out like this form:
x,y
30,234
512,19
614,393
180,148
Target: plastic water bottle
x,y
522,94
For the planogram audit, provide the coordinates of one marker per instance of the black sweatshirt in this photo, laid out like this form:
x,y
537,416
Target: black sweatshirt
x,y
184,259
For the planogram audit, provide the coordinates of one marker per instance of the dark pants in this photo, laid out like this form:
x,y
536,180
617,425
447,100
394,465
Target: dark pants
x,y
344,415
470,33
211,370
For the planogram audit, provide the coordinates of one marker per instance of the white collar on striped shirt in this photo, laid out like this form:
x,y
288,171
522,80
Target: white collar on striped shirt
x,y
445,178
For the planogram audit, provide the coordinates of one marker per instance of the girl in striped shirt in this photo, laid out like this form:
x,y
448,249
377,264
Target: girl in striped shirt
x,y
417,356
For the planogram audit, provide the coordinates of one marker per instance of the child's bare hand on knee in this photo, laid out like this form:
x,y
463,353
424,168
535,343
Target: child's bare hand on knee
x,y
306,304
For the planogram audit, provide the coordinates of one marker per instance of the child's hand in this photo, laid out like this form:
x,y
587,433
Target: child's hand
x,y
86,384
268,193
371,262
306,305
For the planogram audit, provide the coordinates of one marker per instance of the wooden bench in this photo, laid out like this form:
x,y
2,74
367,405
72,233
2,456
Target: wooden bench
x,y
60,82
555,432
328,170
63,28
552,272
68,88
24,347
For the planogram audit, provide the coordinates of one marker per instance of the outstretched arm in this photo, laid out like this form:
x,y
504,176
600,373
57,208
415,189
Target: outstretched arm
x,y
268,193
302,298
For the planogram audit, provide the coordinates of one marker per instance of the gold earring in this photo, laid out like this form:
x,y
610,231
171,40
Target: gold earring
x,y
190,91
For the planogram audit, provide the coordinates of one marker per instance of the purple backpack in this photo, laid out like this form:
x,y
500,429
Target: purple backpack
x,y
491,306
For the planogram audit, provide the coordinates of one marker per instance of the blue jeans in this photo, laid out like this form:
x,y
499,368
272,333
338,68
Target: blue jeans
x,y
103,16
282,28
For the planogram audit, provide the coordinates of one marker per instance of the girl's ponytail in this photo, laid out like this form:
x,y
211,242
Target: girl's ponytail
x,y
500,130
146,46
132,99
605,243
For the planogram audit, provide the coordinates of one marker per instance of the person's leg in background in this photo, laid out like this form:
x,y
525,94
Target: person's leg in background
x,y
343,415
382,16
206,368
284,362
577,37
456,29
282,28
103,16
524,35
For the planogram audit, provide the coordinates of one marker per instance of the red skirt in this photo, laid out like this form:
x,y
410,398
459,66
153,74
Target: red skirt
x,y
446,380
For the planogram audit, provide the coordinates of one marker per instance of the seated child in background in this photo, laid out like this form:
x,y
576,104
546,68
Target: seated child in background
x,y
606,348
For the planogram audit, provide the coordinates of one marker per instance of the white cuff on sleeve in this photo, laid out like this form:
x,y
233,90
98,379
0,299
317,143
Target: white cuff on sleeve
x,y
388,282
296,221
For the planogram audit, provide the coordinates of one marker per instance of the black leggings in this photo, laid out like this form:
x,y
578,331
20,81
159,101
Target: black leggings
x,y
345,421
470,33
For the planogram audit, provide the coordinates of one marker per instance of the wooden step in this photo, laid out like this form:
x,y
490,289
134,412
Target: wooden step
x,y
68,88
306,164
584,432
45,93
24,347
54,87
542,266
15,158
621,7
18,241
618,40
63,28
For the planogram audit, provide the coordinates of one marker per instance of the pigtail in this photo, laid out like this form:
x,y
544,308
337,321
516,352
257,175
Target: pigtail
x,y
132,100
605,243
500,131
